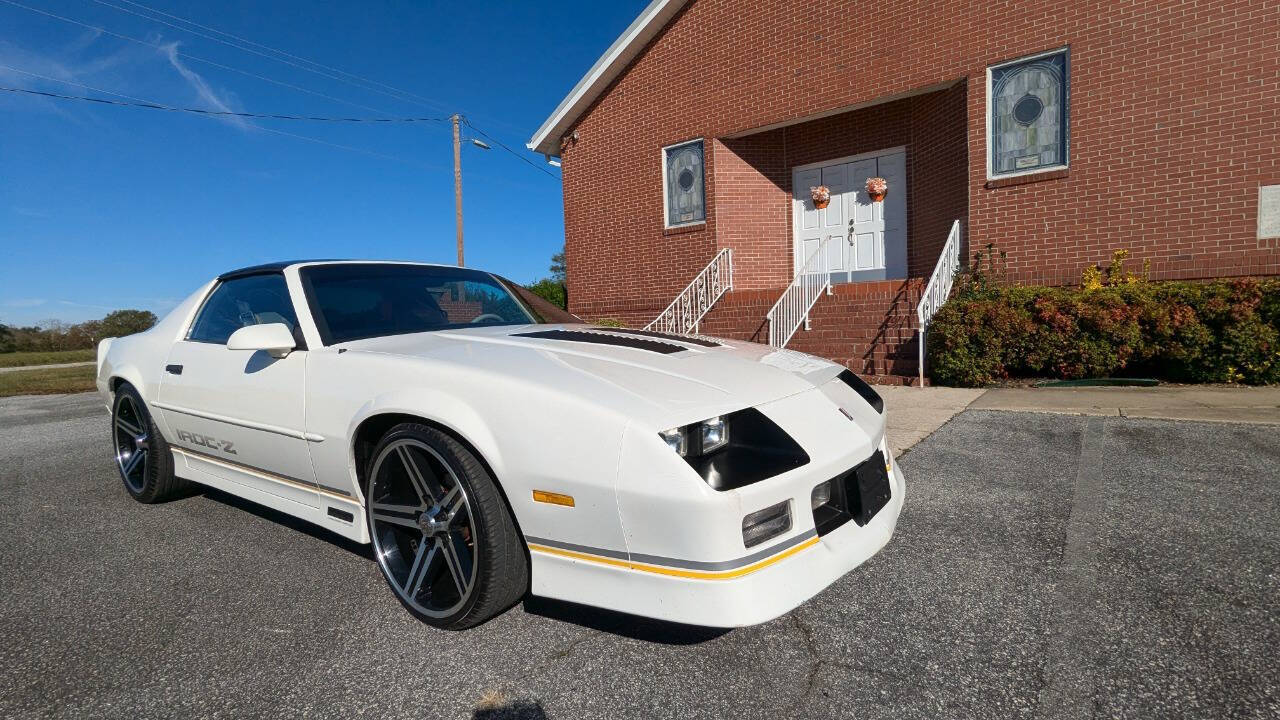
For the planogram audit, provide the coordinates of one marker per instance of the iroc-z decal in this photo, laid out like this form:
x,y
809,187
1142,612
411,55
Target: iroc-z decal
x,y
206,441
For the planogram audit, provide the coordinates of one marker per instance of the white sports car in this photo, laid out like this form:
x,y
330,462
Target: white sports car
x,y
490,445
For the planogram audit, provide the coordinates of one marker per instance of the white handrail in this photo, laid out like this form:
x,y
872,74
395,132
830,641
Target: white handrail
x,y
792,309
938,287
684,313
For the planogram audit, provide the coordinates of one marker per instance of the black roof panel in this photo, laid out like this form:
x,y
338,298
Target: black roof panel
x,y
265,268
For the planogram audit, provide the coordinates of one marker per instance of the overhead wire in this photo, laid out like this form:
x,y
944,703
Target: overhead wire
x,y
196,58
222,113
500,144
363,84
274,131
279,51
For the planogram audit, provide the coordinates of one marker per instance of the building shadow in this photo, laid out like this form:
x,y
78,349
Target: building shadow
x,y
622,624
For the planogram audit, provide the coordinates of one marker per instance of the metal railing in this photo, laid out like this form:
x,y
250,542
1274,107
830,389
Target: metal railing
x,y
686,311
938,287
792,309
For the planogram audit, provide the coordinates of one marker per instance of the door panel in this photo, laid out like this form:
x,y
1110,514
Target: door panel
x,y
893,168
237,411
875,234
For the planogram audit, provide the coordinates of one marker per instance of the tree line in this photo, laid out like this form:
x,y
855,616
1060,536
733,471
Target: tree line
x,y
54,335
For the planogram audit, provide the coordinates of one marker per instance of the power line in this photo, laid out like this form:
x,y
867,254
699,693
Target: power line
x,y
223,113
274,131
500,144
362,84
278,51
189,56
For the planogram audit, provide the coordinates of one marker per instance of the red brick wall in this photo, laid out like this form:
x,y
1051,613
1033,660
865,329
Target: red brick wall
x,y
1166,97
868,327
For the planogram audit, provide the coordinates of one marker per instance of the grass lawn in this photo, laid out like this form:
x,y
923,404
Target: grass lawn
x,y
20,359
48,381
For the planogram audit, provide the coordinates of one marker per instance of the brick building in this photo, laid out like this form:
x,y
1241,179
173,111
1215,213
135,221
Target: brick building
x,y
1058,130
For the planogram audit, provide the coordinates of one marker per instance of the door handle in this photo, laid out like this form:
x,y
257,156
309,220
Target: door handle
x,y
173,369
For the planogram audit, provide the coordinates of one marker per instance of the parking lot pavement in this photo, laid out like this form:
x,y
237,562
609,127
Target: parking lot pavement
x,y
1044,566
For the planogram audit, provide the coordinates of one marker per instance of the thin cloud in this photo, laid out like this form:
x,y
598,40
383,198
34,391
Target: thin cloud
x,y
25,302
206,93
30,212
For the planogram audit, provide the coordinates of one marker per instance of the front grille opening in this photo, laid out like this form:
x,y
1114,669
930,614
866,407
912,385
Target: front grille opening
x,y
856,494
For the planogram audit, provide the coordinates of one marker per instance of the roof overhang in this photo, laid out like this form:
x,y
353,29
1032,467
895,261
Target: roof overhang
x,y
607,69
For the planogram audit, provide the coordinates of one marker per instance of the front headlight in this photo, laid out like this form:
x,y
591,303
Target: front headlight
x,y
737,449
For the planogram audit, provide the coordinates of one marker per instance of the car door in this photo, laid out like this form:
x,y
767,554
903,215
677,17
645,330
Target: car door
x,y
238,414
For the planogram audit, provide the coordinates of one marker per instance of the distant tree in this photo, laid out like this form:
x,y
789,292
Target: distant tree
x,y
124,322
552,291
558,266
7,344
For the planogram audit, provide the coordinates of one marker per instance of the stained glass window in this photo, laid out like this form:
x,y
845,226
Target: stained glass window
x,y
1028,127
685,192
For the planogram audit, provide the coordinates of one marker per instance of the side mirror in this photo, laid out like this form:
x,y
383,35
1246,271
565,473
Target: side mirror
x,y
275,338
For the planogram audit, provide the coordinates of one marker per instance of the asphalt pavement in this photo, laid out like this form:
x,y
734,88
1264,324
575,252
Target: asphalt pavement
x,y
1044,566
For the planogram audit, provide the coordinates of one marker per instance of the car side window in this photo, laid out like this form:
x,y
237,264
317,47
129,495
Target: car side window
x,y
240,302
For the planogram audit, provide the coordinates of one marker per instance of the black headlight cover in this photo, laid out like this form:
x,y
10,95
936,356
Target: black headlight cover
x,y
862,388
758,449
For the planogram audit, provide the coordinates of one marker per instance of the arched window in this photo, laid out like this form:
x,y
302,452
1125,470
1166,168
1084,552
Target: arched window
x,y
684,196
1028,127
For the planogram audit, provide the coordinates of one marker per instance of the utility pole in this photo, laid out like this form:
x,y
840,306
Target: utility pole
x,y
457,182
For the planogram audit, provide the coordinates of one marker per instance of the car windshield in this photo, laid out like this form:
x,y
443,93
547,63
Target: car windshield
x,y
351,301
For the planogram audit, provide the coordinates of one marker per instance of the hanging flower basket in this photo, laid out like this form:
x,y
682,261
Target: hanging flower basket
x,y
877,188
821,196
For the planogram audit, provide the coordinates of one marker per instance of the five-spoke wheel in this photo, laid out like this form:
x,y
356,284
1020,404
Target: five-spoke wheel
x,y
441,531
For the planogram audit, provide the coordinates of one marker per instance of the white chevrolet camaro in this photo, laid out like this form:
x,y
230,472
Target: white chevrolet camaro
x,y
490,445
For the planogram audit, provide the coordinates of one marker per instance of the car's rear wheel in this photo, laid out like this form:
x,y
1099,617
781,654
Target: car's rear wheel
x,y
442,533
142,456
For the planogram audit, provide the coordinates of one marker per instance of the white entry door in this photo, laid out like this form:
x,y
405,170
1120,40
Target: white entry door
x,y
869,239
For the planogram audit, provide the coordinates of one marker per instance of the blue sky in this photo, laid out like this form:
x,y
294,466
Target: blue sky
x,y
105,207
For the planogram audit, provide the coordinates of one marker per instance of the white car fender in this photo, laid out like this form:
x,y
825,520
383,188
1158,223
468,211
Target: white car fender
x,y
434,406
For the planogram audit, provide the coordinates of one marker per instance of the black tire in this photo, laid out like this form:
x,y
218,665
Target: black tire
x,y
134,432
419,544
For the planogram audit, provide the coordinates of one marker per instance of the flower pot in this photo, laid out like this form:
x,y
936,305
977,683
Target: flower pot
x,y
877,197
821,204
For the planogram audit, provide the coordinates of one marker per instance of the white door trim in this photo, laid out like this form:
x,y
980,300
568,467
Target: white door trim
x,y
850,158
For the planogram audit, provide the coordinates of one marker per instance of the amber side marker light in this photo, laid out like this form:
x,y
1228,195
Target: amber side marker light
x,y
543,496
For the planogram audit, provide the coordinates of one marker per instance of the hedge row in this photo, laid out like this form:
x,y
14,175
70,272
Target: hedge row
x,y
1223,331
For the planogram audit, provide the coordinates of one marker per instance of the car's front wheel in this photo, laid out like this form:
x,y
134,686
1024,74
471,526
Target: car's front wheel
x,y
443,536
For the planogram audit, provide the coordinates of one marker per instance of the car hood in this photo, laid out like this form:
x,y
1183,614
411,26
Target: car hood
x,y
684,377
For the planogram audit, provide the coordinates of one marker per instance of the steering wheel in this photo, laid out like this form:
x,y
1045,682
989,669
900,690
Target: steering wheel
x,y
487,316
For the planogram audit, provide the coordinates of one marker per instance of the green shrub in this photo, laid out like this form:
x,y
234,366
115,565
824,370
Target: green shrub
x,y
551,290
1222,331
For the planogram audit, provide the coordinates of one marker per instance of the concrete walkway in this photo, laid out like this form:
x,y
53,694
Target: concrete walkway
x,y
915,413
1201,404
46,367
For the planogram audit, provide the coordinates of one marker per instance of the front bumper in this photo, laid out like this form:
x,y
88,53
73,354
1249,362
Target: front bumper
x,y
685,560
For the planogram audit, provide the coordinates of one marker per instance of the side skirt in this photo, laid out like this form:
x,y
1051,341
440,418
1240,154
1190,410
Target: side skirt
x,y
356,529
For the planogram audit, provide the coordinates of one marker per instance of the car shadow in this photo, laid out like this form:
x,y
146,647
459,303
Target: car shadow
x,y
634,627
517,710
293,523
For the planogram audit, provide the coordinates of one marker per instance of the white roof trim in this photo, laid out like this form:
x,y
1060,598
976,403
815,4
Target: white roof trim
x,y
610,65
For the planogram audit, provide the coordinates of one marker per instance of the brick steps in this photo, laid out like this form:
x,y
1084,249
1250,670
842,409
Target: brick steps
x,y
868,327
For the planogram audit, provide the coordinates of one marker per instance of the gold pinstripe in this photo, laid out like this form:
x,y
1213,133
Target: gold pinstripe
x,y
676,572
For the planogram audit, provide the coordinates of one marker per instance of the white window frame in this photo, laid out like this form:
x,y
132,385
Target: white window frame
x,y
986,119
666,214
